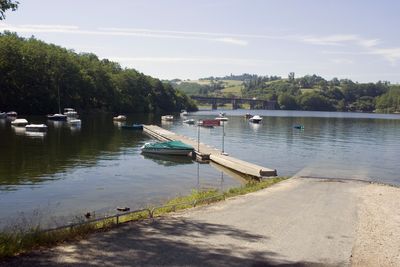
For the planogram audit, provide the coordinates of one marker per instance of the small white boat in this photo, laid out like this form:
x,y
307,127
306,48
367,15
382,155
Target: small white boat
x,y
222,114
70,112
19,122
74,121
57,117
255,119
120,118
189,121
184,113
36,128
167,118
3,115
222,118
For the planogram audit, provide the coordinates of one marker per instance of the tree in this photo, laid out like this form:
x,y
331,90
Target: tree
x,y
315,101
6,5
291,76
32,73
287,102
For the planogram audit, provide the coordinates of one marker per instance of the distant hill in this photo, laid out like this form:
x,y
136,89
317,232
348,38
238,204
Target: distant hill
x,y
310,92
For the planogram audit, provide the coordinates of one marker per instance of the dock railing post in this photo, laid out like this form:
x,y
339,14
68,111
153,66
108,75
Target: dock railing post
x,y
223,136
198,138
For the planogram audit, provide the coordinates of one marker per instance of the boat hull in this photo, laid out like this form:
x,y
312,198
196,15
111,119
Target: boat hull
x,y
57,117
166,151
36,128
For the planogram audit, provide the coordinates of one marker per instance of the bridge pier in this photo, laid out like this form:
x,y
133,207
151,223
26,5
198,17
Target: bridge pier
x,y
269,105
235,104
214,105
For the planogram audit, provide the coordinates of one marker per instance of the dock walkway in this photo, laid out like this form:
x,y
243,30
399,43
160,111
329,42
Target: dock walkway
x,y
204,151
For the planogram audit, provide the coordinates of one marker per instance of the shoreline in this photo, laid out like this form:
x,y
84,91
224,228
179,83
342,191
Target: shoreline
x,y
353,223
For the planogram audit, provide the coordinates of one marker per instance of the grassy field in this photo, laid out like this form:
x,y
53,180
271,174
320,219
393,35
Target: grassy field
x,y
231,86
308,90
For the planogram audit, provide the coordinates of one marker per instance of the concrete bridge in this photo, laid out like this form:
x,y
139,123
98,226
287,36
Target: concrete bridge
x,y
236,102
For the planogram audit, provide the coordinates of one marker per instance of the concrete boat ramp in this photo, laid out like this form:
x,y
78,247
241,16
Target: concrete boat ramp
x,y
205,152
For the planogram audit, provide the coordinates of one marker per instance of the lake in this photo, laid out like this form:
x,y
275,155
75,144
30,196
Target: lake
x,y
98,166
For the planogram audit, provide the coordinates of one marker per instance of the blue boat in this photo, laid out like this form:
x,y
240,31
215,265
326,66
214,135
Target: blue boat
x,y
137,127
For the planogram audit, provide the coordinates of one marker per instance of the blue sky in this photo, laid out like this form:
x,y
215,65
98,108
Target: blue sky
x,y
190,39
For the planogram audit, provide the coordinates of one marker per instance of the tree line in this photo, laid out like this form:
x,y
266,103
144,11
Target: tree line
x,y
313,92
33,74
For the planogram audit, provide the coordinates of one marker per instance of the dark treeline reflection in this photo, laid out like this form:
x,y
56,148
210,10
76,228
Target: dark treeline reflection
x,y
27,160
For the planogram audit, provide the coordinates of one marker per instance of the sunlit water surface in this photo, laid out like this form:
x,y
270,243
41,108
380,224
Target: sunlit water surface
x,y
98,166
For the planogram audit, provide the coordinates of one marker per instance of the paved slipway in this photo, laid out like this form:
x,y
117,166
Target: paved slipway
x,y
298,222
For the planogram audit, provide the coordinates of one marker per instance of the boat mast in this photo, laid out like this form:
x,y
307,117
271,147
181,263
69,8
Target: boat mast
x,y
59,100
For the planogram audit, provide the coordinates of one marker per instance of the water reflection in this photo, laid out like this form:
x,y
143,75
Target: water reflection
x,y
18,130
39,135
75,128
168,160
255,126
118,123
56,124
69,168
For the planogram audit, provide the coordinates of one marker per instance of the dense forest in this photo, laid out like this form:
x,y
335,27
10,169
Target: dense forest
x,y
33,72
310,92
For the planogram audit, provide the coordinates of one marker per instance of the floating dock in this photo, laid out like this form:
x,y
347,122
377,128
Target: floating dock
x,y
206,152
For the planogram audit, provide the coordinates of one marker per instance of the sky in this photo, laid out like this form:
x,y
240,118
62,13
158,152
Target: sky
x,y
188,39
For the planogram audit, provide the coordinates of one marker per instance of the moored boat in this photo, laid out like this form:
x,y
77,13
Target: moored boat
x,y
222,118
248,116
167,118
57,117
167,148
209,123
19,122
184,113
3,115
12,114
189,121
70,112
75,122
137,127
36,127
120,118
255,119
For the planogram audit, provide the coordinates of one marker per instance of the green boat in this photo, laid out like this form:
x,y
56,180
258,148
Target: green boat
x,y
167,148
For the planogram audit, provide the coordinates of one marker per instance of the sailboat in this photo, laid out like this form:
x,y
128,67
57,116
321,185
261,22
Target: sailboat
x,y
58,116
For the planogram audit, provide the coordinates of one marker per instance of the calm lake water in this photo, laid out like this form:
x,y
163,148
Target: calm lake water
x,y
98,167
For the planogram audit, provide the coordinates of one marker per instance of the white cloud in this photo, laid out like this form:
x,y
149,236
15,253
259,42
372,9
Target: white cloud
x,y
43,26
207,60
342,61
391,54
117,32
354,41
